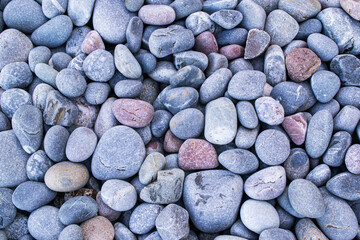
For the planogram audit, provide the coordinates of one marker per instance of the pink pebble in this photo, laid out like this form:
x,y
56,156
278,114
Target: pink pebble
x,y
154,146
172,144
206,43
296,126
92,42
232,51
157,14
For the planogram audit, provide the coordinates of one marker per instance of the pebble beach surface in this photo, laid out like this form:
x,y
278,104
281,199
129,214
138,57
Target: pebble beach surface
x,y
179,119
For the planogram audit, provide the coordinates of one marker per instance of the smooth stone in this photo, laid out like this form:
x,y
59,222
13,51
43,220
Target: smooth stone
x,y
44,223
206,43
18,228
146,60
126,63
300,10
199,22
281,27
8,209
37,55
330,3
152,236
30,195
339,144
266,184
212,199
60,60
284,201
232,51
163,72
81,144
4,122
276,233
122,232
191,58
97,228
152,164
306,198
351,7
142,219
245,138
189,76
239,161
240,64
269,111
71,232
341,28
232,36
215,85
319,175
311,98
287,221
53,8
325,85
332,106
128,88
70,83
55,143
157,14
323,46
227,19
59,110
37,165
253,15
173,222
99,66
166,189
296,126
77,210
274,65
346,66
25,16
301,64
247,114
344,185
170,40
28,127
352,159
46,73
188,123
113,154
106,118
268,5
259,215
339,220
295,44
272,147
319,133
97,93
66,176
297,165
172,144
14,47
180,98
247,85
160,123
171,161
118,195
87,113
54,32
215,5
134,33
73,44
184,8
92,42
13,99
309,27
349,96
306,229
256,43
15,75
239,229
80,11
104,210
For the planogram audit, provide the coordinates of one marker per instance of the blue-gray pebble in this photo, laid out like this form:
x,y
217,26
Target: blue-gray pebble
x,y
232,36
274,65
301,10
122,232
339,144
239,161
128,88
12,99
4,122
143,217
325,85
215,85
96,93
347,67
60,60
345,185
80,11
70,83
37,165
71,232
160,122
184,8
247,85
227,19
309,27
323,46
276,233
189,76
55,143
177,99
247,114
40,54
188,123
99,66
253,15
7,208
347,119
15,75
146,60
297,165
52,8
77,210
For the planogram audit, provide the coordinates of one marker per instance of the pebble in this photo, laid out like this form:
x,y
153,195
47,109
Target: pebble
x,y
15,75
28,127
319,175
274,65
276,233
173,222
160,123
281,27
37,55
232,36
309,27
296,126
335,154
287,221
73,44
351,7
266,184
247,114
301,64
212,199
104,210
215,85
216,61
206,43
339,220
71,232
77,210
344,185
199,22
163,72
166,189
60,60
4,122
179,38
37,165
122,232
332,106
216,5
192,58
55,143
190,76
134,33
92,42
259,215
13,99
346,66
157,14
325,85
256,43
105,162
300,10
253,15
18,228
188,123
349,96
99,66
53,8
146,60
247,85
322,46
126,63
70,83
8,209
239,229
105,119
184,8
227,19
152,164
180,98
232,51
319,133
142,219
269,111
44,223
80,11
46,73
352,159
245,138
306,229
239,161
59,110
297,165
66,176
97,228
171,142
81,144
97,93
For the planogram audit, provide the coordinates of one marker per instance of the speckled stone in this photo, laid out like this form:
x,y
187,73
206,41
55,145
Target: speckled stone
x,y
152,164
163,72
256,43
345,185
227,18
352,159
301,10
12,99
306,229
66,177
269,111
18,228
274,65
346,66
351,7
184,8
259,215
189,76
37,55
53,8
180,98
71,232
301,64
216,61
106,118
122,232
70,83
60,60
323,46
319,133
126,63
81,144
73,44
325,85
216,5
296,126
215,85
319,175
105,210
239,229
199,22
232,36
15,75
188,123
309,27
297,165
206,43
253,15
106,162
77,210
97,93
171,142
232,51
247,85
332,106
167,189
92,42
245,138
281,27
212,199
157,14
37,165
339,220
142,219
8,209
80,11
98,228
239,161
99,66
349,96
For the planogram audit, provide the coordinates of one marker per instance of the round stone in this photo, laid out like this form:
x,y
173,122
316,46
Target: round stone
x,y
70,83
72,232
66,177
319,175
55,143
247,85
104,210
323,46
81,144
206,43
157,14
77,210
276,233
97,93
188,123
8,209
126,63
37,165
99,66
152,164
301,64
92,42
199,22
15,75
352,159
297,165
160,123
269,111
239,161
177,99
227,18
12,99
142,219
118,195
272,147
306,229
245,138
171,142
97,228
325,85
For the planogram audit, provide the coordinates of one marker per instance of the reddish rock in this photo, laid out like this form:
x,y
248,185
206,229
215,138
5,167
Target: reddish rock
x,y
296,126
92,42
105,210
133,113
351,7
154,146
98,228
301,64
256,43
206,43
196,154
232,51
87,113
157,14
352,159
172,144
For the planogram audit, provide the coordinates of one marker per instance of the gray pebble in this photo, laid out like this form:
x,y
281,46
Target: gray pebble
x,y
37,165
60,60
81,144
80,11
345,185
276,233
347,119
171,161
12,99
309,27
284,201
55,143
118,195
160,123
46,73
163,72
199,22
15,75
7,210
96,93
301,10
73,44
247,85
319,175
105,210
189,76
37,55
247,114
71,232
186,58
149,169
128,88
347,67
142,219
232,36
325,85
239,161
4,122
122,232
215,85
332,106
215,5
99,66
239,229
134,32
245,138
287,221
177,99
188,123
297,165
146,60
126,63
77,210
227,19
53,8
349,96
274,65
323,46
216,61
106,118
145,134
335,153
184,8
294,44
306,229
70,83
18,228
253,15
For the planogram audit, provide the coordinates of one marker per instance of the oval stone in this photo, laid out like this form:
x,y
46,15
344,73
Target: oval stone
x,y
319,175
142,219
306,229
72,231
188,123
301,64
345,185
15,75
239,161
301,10
99,66
247,85
77,210
55,143
335,154
152,164
81,144
269,111
157,14
70,83
297,165
180,98
274,65
119,195
66,177
296,126
97,228
106,118
352,159
80,11
126,63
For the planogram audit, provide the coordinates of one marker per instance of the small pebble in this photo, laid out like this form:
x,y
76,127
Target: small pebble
x,y
160,122
55,143
104,210
296,126
335,154
323,46
256,43
188,123
99,66
253,15
325,85
297,165
247,85
269,111
306,229
80,11
319,175
157,14
126,63
81,144
274,65
77,210
13,99
152,164
206,43
15,75
239,161
70,83
352,159
300,10
227,19
71,232
8,209
143,218
92,42
97,93
97,228
344,185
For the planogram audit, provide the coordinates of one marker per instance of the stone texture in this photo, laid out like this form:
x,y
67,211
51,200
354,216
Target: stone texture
x,y
269,110
301,10
256,43
247,85
239,161
157,14
97,228
296,126
301,64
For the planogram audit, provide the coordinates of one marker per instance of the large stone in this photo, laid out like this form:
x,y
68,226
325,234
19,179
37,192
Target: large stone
x,y
247,85
301,10
345,185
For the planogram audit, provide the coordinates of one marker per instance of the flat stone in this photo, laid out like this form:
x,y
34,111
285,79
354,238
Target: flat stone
x,y
143,218
274,65
269,111
301,10
319,175
325,85
97,228
160,122
256,43
157,14
180,98
152,164
126,63
296,126
239,161
297,165
8,209
37,165
188,123
15,75
212,199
